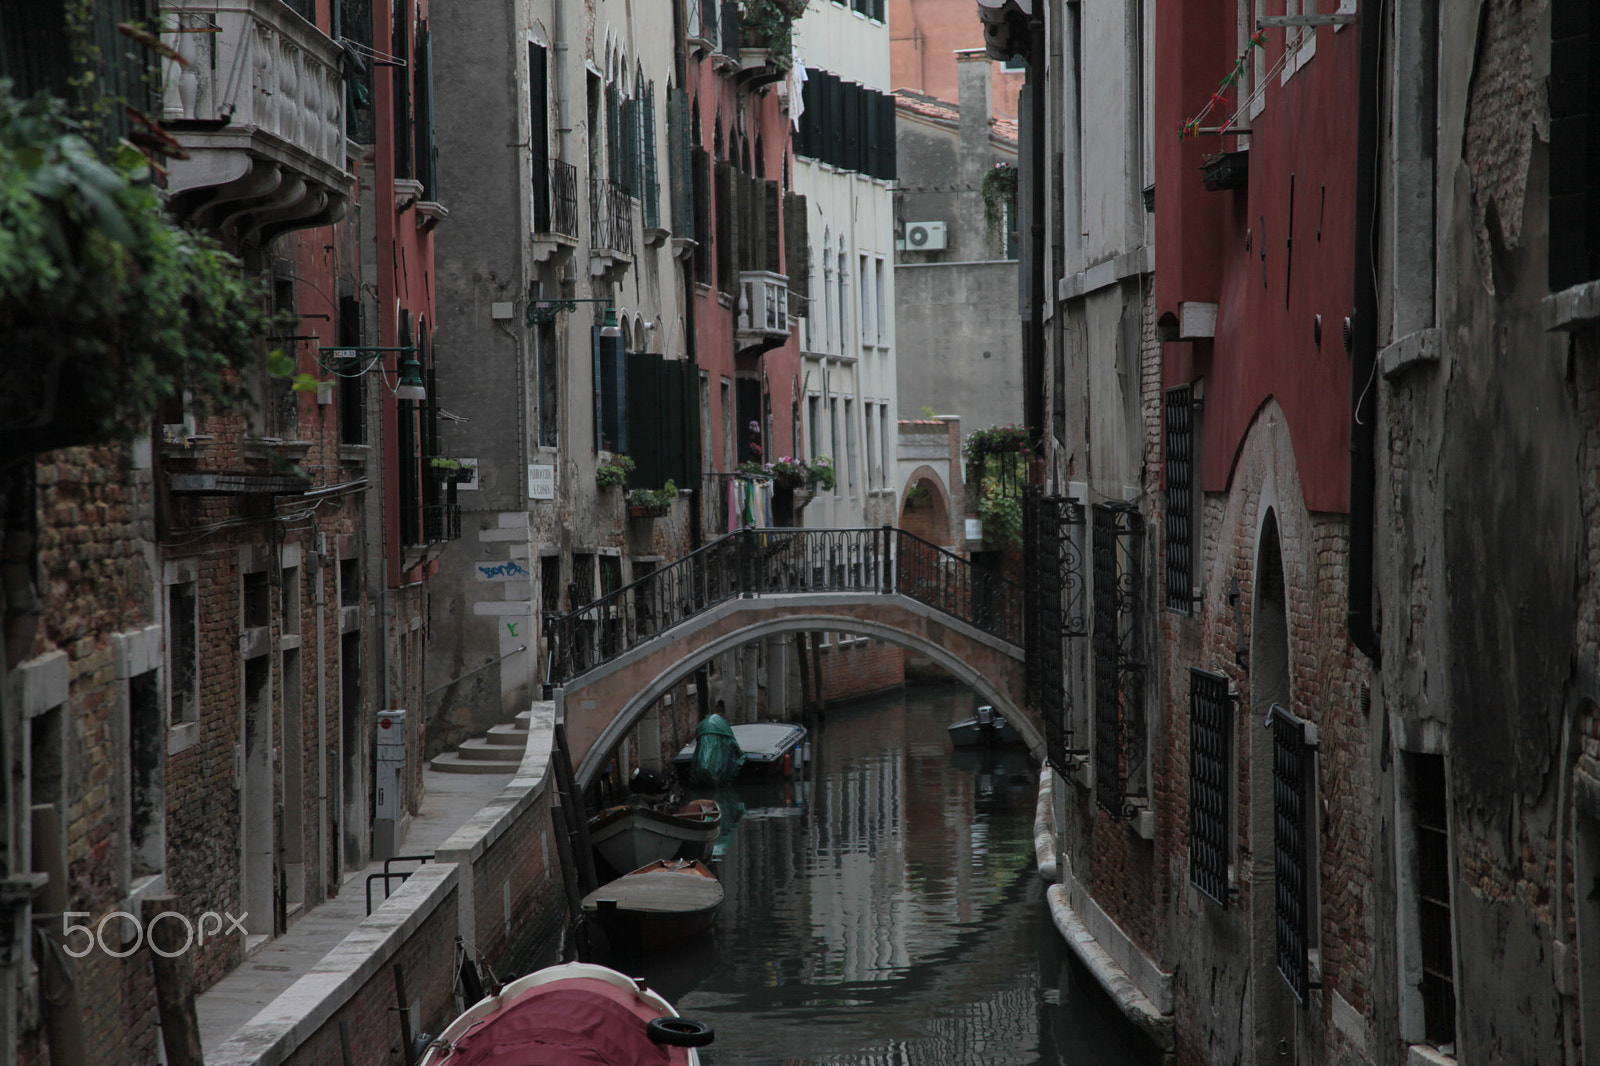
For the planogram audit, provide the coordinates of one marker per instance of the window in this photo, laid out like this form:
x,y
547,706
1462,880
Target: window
x,y
183,653
868,319
147,809
256,600
1431,942
1210,781
851,461
727,425
539,135
400,45
844,300
1117,649
883,304
887,476
350,582
549,357
1294,833
581,589
427,150
813,425
550,584
873,470
650,189
1574,94
352,389
833,440
291,601
705,420
610,392
1180,509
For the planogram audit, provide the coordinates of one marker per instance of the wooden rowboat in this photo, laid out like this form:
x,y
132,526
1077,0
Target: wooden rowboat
x,y
566,1016
632,835
656,906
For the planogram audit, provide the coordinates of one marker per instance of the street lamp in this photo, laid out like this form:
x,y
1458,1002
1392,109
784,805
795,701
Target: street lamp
x,y
410,387
542,312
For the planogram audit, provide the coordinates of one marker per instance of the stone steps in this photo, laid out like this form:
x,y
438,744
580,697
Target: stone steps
x,y
497,752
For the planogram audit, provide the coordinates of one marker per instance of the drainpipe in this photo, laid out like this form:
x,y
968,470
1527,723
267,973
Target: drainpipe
x,y
558,60
1363,349
1033,363
324,866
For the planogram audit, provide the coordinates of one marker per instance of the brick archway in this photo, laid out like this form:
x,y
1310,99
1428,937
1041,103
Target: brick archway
x,y
601,707
928,516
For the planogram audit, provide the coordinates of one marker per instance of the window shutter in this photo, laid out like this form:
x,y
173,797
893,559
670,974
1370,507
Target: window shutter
x,y
645,415
701,176
399,45
872,143
539,138
652,184
888,168
679,165
427,151
797,252
774,222
727,229
613,124
599,389
833,120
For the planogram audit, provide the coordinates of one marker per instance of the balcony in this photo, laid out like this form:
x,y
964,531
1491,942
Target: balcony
x,y
259,107
701,22
555,209
610,225
763,310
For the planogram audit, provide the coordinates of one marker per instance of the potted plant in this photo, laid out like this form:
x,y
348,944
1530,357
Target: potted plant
x,y
614,472
452,470
652,503
1225,170
823,475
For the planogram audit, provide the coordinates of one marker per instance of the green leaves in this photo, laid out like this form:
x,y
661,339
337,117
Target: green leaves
x,y
108,308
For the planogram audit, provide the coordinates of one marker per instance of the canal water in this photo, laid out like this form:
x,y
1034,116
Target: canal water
x,y
884,908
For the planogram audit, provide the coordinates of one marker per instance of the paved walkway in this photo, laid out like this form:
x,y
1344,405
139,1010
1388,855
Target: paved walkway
x,y
449,800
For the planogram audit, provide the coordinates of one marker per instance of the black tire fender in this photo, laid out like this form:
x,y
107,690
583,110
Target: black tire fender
x,y
680,1032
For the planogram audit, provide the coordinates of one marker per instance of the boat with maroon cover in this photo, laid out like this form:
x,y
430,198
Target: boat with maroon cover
x,y
656,906
577,1014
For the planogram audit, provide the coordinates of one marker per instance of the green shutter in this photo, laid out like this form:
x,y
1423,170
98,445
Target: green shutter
x,y
652,185
644,420
887,168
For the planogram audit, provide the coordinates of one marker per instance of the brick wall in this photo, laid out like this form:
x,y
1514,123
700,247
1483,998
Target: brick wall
x,y
860,666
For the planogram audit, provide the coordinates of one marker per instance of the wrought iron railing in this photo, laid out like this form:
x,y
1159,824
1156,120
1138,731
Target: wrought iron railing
x,y
951,584
1180,524
555,206
441,522
755,562
1293,744
1210,772
1117,647
610,216
1052,534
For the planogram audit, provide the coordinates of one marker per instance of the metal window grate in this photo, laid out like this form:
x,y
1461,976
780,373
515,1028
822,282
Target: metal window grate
x,y
1117,651
1052,533
1291,845
1180,498
1210,760
1430,819
550,584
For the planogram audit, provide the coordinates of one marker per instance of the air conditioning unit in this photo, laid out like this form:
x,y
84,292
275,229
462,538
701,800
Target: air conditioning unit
x,y
924,237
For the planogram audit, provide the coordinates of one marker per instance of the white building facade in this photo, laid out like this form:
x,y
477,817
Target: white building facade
x,y
845,168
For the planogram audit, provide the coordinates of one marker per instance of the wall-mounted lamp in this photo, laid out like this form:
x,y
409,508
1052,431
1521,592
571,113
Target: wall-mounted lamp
x,y
542,312
351,362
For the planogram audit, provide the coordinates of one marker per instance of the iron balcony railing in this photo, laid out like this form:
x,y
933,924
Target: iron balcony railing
x,y
754,562
555,203
610,216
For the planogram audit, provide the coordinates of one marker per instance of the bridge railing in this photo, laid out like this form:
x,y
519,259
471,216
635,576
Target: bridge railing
x,y
949,583
753,562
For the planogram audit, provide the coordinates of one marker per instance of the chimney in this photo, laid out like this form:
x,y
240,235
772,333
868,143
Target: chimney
x,y
974,77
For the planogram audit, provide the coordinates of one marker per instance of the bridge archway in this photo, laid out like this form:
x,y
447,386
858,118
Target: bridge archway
x,y
602,707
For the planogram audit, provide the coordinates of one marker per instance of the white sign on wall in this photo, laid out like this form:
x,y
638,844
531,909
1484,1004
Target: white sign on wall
x,y
541,482
974,529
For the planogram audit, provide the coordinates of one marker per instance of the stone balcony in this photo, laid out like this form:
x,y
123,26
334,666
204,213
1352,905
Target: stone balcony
x,y
763,310
259,107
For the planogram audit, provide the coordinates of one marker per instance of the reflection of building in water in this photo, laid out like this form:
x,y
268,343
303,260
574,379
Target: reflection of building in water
x,y
977,1033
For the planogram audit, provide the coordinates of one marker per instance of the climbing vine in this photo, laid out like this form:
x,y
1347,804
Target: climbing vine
x,y
999,191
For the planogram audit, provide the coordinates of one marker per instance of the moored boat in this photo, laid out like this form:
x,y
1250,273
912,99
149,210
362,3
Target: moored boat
x,y
987,727
656,906
570,1015
769,748
629,836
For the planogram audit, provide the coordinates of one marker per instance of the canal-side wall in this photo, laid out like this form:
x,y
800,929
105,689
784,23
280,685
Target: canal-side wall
x,y
511,896
354,984
495,883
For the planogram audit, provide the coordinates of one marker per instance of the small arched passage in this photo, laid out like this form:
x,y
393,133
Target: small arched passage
x,y
637,680
926,508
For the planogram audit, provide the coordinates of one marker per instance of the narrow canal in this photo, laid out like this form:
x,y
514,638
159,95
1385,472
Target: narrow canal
x,y
885,908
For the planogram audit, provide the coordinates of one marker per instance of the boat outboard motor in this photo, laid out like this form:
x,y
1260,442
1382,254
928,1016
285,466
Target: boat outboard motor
x,y
986,718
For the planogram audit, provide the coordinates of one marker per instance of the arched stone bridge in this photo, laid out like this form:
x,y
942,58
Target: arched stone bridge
x,y
615,657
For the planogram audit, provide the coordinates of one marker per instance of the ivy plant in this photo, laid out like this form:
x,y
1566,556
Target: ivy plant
x,y
769,24
999,192
107,308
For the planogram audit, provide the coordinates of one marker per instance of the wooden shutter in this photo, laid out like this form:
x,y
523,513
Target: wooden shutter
x,y
797,252
652,183
773,228
427,151
887,166
701,176
727,229
645,413
539,137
